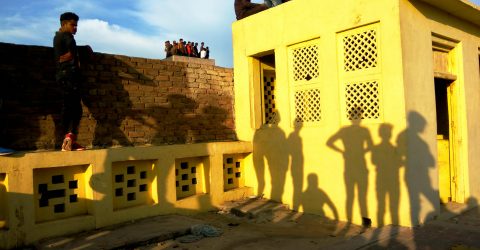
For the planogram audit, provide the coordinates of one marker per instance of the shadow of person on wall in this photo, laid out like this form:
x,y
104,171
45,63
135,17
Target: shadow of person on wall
x,y
387,161
315,199
180,119
107,100
418,160
170,122
295,146
356,142
216,121
269,144
386,158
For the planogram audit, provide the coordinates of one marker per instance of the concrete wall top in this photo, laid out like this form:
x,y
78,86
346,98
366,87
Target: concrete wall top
x,y
190,60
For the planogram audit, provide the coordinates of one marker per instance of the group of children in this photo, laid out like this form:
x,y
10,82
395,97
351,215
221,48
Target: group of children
x,y
183,48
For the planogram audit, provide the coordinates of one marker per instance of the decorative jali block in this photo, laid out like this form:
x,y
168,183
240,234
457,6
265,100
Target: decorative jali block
x,y
189,177
233,172
60,192
132,183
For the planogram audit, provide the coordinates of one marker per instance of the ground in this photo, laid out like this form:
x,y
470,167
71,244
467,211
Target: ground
x,y
263,224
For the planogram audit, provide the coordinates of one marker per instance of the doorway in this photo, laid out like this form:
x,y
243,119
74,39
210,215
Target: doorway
x,y
263,106
450,112
445,134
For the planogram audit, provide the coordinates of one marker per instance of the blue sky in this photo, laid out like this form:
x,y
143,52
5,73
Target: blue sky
x,y
135,28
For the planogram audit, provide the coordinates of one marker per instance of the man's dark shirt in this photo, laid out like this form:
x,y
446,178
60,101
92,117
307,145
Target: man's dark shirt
x,y
63,43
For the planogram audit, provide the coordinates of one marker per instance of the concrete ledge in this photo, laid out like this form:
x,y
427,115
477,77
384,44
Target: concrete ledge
x,y
190,60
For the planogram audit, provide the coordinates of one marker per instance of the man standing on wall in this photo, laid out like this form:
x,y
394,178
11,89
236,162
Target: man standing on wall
x,y
68,77
245,8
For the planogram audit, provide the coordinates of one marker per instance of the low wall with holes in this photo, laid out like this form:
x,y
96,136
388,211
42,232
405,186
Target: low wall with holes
x,y
47,194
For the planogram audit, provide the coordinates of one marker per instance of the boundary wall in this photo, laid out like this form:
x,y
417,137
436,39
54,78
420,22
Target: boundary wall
x,y
46,194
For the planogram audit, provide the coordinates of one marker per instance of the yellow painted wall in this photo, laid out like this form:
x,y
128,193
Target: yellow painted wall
x,y
419,21
404,74
290,24
43,182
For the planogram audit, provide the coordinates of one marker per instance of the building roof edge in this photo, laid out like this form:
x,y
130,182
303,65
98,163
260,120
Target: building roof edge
x,y
462,9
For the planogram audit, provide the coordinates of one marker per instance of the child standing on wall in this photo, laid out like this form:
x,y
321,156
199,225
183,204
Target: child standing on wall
x,y
68,76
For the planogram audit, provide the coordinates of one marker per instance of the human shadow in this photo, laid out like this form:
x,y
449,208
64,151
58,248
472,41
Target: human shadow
x,y
295,146
387,160
356,142
180,119
269,145
107,100
315,199
418,160
171,121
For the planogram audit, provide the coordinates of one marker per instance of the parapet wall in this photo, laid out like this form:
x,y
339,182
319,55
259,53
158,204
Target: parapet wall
x,y
126,101
46,194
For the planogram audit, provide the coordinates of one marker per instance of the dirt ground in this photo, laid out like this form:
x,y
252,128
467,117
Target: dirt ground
x,y
266,227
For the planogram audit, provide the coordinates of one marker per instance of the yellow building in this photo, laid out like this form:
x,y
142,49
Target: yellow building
x,y
370,105
360,110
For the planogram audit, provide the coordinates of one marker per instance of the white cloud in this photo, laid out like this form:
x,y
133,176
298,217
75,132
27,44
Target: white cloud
x,y
186,16
27,31
206,20
134,28
114,39
17,34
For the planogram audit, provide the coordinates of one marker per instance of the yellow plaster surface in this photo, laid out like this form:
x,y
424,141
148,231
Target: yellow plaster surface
x,y
332,156
58,193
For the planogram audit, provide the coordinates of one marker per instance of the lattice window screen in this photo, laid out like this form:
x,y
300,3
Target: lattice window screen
x,y
269,96
360,73
360,50
307,106
362,100
305,63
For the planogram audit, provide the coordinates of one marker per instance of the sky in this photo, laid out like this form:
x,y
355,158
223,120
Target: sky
x,y
134,28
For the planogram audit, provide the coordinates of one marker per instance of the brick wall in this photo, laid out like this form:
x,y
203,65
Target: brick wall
x,y
126,101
